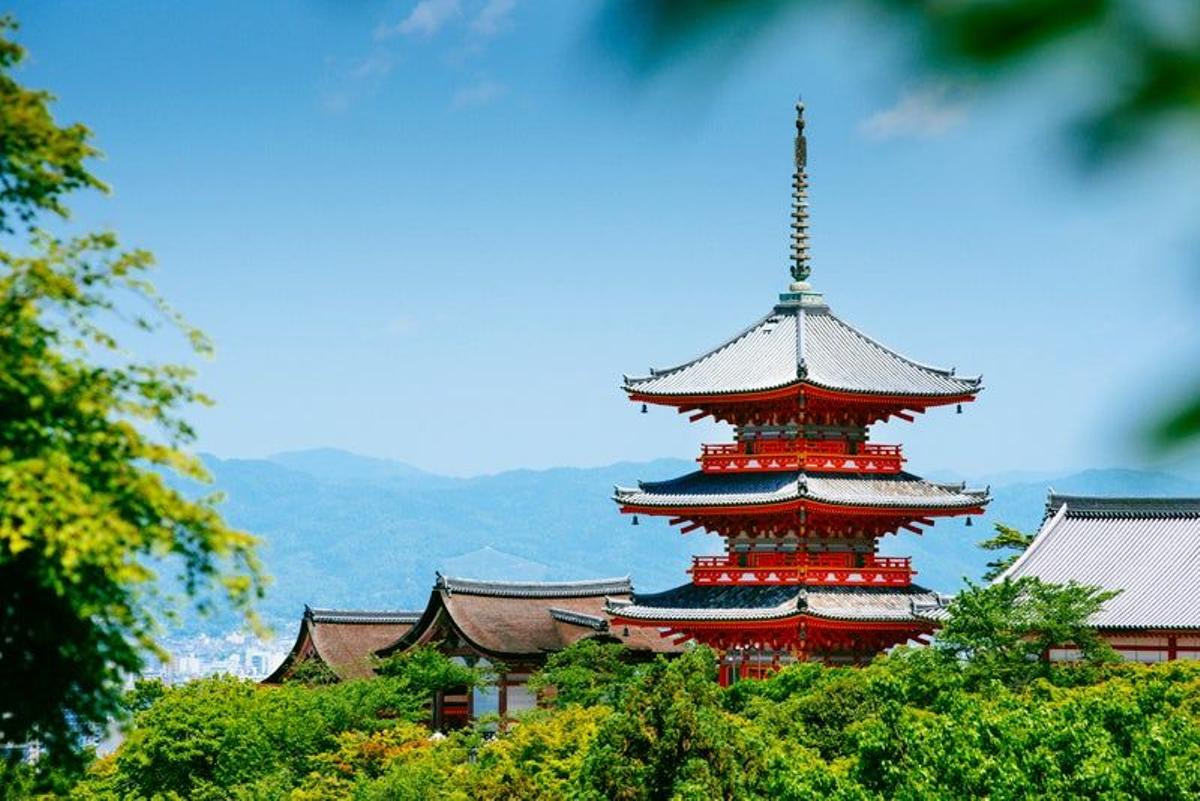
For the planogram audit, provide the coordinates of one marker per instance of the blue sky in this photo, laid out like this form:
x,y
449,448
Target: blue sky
x,y
440,231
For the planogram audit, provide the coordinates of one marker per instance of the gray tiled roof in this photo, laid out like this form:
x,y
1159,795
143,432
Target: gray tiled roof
x,y
691,602
360,616
1149,548
535,589
723,489
579,619
834,355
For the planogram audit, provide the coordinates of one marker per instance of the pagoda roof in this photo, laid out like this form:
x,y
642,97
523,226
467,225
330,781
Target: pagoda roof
x,y
344,640
1148,548
900,490
706,603
803,342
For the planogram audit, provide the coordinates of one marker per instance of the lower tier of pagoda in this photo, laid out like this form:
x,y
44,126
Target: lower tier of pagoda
x,y
762,627
798,503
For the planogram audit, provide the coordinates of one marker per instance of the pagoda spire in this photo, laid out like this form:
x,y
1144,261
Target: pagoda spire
x,y
800,259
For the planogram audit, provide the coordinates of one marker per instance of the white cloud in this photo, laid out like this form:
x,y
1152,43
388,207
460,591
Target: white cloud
x,y
494,17
925,113
427,18
480,93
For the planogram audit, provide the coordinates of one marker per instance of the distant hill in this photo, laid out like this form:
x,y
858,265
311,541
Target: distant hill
x,y
332,464
344,530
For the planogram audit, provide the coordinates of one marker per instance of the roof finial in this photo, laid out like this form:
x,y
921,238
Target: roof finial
x,y
800,265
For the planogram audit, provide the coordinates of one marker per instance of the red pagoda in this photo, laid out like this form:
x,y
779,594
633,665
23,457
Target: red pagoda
x,y
801,496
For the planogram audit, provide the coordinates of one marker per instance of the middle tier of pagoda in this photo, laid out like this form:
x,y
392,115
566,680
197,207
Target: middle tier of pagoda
x,y
800,504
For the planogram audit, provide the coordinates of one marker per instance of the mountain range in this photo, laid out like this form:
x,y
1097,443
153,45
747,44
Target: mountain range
x,y
343,530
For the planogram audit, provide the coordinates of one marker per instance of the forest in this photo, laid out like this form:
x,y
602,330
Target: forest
x,y
975,715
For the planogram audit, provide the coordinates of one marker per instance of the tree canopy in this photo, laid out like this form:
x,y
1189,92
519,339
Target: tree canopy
x,y
93,536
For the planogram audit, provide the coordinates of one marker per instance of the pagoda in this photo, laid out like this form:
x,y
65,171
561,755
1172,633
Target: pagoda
x,y
801,496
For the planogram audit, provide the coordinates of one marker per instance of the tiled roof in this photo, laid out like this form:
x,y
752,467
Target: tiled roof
x,y
535,589
690,602
729,489
523,621
596,622
1149,548
352,616
1085,506
807,342
344,640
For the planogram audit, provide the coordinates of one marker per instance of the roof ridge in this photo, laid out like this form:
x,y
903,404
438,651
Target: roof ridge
x,y
361,615
532,589
597,622
1123,505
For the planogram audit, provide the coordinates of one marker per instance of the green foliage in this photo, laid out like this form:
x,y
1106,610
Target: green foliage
x,y
980,42
88,435
1005,629
912,724
1007,538
589,673
672,737
40,161
312,672
423,671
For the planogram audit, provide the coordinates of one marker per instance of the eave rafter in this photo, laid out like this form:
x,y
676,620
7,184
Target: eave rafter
x,y
801,403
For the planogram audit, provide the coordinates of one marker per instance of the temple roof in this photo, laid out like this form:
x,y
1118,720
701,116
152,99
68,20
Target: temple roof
x,y
344,640
516,620
535,589
803,342
703,603
1149,548
901,490
361,616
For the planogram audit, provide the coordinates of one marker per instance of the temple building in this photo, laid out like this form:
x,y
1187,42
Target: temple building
x,y
514,626
801,495
342,641
1148,548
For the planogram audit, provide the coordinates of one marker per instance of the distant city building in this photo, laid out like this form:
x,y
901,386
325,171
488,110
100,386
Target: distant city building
x,y
1148,548
800,496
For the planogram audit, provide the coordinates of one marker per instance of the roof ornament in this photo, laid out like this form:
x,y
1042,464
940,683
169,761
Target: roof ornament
x,y
800,259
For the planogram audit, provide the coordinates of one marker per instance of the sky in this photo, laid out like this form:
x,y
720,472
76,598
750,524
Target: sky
x,y
440,231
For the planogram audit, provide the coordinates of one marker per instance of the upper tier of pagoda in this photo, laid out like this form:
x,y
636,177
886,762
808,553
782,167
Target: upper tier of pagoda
x,y
801,364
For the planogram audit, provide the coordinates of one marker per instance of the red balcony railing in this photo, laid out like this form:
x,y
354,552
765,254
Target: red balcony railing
x,y
773,567
830,456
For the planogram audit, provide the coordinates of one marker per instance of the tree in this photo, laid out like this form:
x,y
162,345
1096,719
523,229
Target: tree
x,y
1007,538
588,673
671,737
40,161
1005,629
88,437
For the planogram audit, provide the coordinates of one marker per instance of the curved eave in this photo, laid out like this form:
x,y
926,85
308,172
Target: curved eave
x,y
806,387
670,618
280,674
975,506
